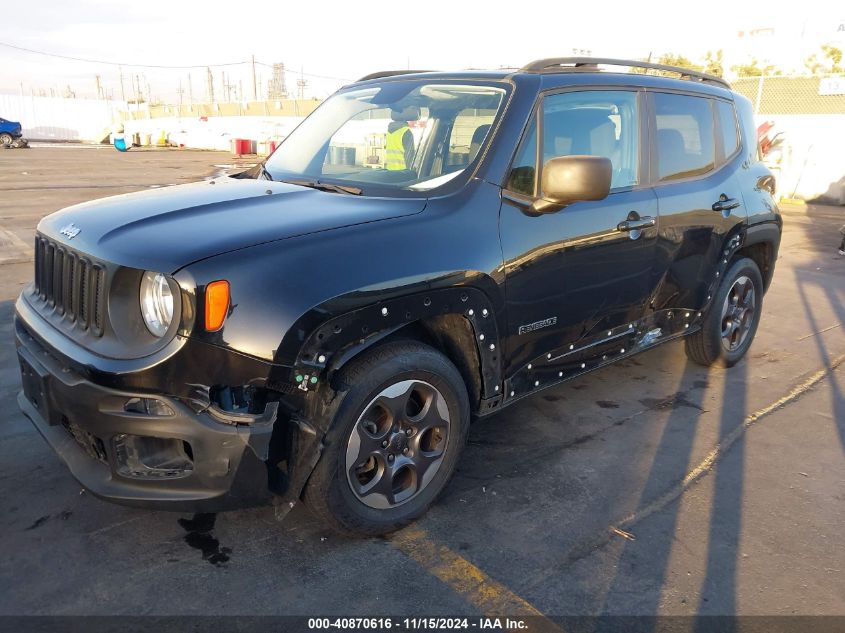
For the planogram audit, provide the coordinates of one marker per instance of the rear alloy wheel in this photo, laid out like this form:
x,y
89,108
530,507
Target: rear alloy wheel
x,y
394,441
6,139
738,313
730,325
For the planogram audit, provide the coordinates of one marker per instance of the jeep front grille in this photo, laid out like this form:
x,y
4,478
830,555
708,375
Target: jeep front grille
x,y
71,284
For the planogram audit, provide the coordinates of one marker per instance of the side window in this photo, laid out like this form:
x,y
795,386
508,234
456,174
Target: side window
x,y
727,126
596,123
524,168
685,143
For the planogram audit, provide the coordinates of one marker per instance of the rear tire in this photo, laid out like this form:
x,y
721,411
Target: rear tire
x,y
729,327
6,139
394,442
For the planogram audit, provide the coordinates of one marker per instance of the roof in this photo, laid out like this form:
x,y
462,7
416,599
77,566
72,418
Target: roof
x,y
569,67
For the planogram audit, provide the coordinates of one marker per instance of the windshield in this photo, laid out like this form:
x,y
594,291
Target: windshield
x,y
397,136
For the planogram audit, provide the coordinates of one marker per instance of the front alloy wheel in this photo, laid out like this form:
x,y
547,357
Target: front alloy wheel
x,y
400,422
398,444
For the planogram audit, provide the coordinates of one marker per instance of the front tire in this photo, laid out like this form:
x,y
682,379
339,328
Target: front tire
x,y
729,327
394,442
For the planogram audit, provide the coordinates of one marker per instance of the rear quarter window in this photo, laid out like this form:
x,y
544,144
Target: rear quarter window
x,y
745,110
727,128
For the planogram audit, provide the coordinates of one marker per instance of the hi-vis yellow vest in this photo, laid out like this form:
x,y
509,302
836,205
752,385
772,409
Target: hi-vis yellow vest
x,y
395,159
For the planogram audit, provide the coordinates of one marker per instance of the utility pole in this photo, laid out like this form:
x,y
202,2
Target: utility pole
x,y
210,85
99,87
301,83
181,92
225,96
190,92
122,91
254,85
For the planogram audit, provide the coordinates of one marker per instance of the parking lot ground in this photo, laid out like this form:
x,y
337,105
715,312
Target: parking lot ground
x,y
651,487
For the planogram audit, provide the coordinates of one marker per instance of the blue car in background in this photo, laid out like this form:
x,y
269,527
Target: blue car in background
x,y
9,131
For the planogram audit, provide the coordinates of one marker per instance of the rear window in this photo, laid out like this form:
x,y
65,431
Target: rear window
x,y
685,142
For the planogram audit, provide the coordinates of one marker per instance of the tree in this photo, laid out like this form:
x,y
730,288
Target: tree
x,y
753,69
668,59
830,63
713,64
671,59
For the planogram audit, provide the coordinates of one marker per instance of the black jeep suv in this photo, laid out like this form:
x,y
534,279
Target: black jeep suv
x,y
424,248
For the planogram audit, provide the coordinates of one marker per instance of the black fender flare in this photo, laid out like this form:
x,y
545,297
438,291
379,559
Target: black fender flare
x,y
336,341
742,237
768,232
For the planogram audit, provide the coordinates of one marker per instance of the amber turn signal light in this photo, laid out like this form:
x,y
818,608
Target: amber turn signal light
x,y
216,304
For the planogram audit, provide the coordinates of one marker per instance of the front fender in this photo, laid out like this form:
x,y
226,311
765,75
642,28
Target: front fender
x,y
338,339
285,292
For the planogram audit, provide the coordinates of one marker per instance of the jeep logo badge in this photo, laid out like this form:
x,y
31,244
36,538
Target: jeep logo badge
x,y
70,231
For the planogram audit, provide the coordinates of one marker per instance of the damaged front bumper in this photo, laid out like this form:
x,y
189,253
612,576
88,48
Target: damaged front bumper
x,y
144,448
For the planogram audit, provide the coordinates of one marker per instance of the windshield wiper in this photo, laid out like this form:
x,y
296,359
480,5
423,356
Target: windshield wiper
x,y
326,186
263,171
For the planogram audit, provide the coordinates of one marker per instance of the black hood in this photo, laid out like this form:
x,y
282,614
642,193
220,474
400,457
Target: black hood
x,y
168,228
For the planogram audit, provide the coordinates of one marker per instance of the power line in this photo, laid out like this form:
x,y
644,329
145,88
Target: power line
x,y
312,74
161,66
110,63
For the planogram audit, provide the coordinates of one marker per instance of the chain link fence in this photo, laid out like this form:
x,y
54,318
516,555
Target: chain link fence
x,y
807,119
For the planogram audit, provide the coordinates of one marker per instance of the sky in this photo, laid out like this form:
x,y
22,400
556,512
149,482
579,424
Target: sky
x,y
333,42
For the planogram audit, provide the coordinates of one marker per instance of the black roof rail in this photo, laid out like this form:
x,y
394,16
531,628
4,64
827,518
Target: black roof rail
x,y
553,64
390,73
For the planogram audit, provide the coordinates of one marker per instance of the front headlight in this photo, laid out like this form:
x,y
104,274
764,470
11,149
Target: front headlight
x,y
156,303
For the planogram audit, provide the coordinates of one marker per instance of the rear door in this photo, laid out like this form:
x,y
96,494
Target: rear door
x,y
695,156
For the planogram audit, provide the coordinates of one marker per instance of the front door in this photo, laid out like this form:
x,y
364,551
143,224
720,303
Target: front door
x,y
578,276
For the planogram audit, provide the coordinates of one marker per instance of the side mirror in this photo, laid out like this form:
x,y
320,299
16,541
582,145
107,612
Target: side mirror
x,y
568,179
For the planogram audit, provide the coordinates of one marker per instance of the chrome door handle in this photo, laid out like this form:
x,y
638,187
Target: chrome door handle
x,y
636,225
725,204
